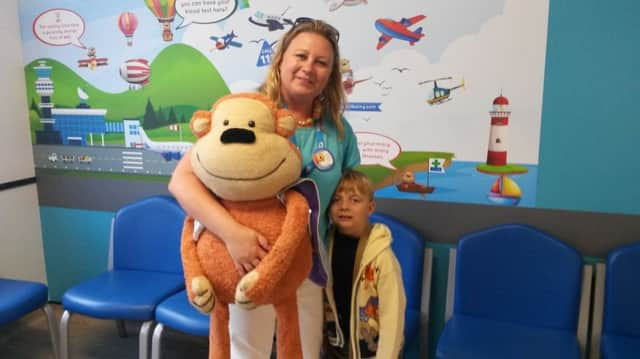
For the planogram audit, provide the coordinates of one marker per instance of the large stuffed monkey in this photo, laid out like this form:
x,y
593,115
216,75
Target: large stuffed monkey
x,y
244,157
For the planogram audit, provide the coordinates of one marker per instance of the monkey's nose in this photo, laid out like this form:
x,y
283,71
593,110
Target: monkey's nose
x,y
237,135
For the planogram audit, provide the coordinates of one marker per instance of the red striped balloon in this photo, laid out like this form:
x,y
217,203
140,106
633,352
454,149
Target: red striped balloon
x,y
127,23
136,71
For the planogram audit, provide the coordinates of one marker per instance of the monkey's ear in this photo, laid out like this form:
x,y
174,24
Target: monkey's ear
x,y
285,123
200,123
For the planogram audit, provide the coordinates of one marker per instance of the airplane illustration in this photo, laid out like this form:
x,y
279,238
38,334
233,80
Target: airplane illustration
x,y
391,29
92,61
170,150
336,4
223,42
348,83
270,21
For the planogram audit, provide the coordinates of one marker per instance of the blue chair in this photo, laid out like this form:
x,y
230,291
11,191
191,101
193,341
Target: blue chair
x,y
616,319
517,293
146,270
408,245
415,261
20,297
178,314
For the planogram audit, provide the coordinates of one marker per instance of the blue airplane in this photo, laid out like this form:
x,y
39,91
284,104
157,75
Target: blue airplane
x,y
225,41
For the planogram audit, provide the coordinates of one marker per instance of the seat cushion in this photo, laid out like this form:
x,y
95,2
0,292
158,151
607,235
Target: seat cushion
x,y
177,313
620,347
18,297
478,338
131,295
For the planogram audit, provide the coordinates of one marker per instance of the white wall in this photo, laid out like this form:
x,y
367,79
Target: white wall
x,y
21,250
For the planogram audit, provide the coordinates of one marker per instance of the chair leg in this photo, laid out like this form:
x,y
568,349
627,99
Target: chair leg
x,y
64,334
156,342
53,329
122,331
143,344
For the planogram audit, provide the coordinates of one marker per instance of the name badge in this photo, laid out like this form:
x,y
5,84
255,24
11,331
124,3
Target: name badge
x,y
323,159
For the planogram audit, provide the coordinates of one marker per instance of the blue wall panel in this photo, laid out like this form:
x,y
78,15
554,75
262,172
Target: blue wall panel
x,y
590,124
76,246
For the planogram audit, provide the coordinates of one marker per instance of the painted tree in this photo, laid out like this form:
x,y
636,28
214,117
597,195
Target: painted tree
x,y
172,117
161,118
150,119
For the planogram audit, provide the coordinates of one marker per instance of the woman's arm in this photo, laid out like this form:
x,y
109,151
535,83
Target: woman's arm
x,y
246,246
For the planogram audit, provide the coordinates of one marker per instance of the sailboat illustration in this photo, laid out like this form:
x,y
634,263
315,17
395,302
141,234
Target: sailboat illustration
x,y
505,192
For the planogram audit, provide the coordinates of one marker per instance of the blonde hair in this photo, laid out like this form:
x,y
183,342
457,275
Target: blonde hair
x,y
332,97
355,181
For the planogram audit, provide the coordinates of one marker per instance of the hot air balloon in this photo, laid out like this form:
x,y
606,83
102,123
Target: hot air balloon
x,y
135,72
128,22
165,11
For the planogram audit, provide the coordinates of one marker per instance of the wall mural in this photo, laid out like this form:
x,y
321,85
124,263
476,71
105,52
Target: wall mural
x,y
445,97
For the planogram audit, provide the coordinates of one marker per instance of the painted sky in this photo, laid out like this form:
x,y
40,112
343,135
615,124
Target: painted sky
x,y
496,46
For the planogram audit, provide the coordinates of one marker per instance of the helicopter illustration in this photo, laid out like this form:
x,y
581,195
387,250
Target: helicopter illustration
x,y
441,94
223,42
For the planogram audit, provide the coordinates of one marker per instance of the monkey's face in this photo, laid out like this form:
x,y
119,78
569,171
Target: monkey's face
x,y
345,65
242,157
408,177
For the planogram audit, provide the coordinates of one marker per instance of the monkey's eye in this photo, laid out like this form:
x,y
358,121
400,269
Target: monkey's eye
x,y
225,122
252,123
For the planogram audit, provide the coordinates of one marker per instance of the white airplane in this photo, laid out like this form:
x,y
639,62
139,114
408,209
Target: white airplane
x,y
170,150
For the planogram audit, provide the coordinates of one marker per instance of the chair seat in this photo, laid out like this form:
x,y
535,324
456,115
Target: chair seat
x,y
478,338
18,297
131,295
177,313
620,347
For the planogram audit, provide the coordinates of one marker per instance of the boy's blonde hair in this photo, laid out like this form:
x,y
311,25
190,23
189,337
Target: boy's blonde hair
x,y
355,181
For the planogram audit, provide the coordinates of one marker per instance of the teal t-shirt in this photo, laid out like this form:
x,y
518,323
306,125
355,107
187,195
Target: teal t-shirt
x,y
345,155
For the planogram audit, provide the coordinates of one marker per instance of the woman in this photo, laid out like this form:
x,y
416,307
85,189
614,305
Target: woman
x,y
305,78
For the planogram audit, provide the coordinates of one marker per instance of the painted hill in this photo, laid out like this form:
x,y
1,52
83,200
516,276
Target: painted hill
x,y
181,77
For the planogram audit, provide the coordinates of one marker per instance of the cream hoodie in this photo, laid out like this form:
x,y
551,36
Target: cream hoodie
x,y
377,299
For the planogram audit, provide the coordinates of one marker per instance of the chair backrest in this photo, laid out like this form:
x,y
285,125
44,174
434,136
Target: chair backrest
x,y
408,246
622,291
146,235
519,274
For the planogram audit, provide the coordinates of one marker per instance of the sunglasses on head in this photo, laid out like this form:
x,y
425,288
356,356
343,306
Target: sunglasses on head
x,y
331,31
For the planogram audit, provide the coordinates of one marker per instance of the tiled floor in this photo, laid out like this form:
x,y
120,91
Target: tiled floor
x,y
89,338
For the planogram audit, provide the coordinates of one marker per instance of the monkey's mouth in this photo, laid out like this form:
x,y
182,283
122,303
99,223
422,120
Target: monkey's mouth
x,y
259,177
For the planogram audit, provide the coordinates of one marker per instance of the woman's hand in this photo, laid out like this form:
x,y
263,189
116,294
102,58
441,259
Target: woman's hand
x,y
246,247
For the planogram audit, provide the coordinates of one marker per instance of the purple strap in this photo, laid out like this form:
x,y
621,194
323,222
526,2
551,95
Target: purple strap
x,y
307,187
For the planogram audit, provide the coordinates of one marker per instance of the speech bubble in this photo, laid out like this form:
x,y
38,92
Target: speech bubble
x,y
59,27
376,149
204,11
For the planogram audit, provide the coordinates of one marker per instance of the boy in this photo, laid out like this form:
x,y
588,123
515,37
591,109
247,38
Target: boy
x,y
366,303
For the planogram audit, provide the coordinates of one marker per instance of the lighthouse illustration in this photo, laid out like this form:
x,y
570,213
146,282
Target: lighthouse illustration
x,y
504,191
497,153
